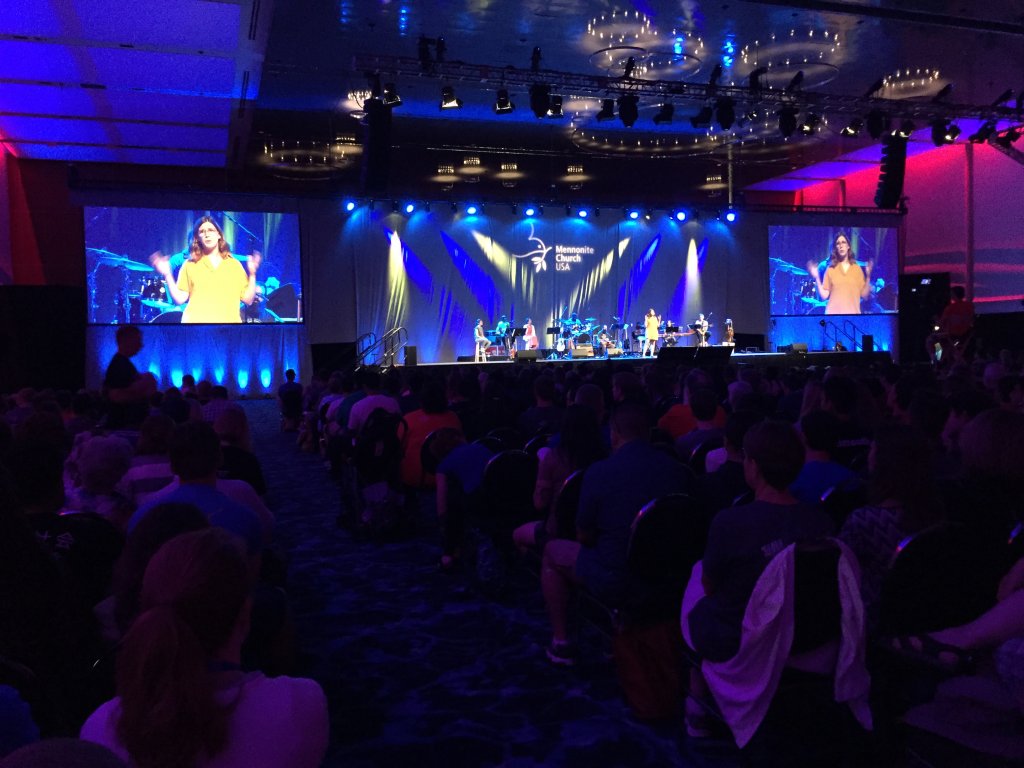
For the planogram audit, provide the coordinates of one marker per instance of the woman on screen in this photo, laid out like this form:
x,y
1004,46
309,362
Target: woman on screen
x,y
212,281
845,282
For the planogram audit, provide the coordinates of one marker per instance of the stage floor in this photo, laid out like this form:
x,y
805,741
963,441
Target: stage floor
x,y
717,357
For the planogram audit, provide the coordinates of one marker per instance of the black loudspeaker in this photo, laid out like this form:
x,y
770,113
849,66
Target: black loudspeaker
x,y
891,171
922,299
867,343
410,355
333,356
528,355
376,148
676,355
713,354
465,359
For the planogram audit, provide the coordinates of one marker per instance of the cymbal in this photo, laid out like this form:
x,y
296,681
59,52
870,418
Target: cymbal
x,y
590,320
124,263
781,265
157,304
813,301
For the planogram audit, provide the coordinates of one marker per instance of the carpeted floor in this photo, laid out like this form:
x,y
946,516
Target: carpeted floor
x,y
420,669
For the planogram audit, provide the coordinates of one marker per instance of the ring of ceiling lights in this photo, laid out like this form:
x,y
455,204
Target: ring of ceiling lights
x,y
920,82
622,28
308,159
815,52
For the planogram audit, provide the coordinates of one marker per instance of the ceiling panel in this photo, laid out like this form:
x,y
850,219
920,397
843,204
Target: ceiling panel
x,y
89,154
165,23
112,133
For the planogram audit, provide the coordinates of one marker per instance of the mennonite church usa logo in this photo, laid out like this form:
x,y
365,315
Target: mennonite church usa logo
x,y
565,255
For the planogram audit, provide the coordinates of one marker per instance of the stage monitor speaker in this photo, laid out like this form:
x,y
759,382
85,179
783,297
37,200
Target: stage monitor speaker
x,y
410,356
528,355
583,350
798,347
333,356
713,354
867,343
676,355
465,359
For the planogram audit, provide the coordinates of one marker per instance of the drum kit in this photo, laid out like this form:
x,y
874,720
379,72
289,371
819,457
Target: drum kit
x,y
119,293
796,286
573,333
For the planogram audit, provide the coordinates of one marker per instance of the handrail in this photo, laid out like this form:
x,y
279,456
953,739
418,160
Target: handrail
x,y
386,347
849,330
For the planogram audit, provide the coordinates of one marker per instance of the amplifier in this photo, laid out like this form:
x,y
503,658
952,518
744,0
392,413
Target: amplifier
x,y
614,351
583,350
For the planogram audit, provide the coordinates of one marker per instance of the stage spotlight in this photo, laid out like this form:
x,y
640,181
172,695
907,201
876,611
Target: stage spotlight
x,y
730,215
633,214
796,82
984,133
906,128
1007,138
628,111
810,124
390,97
583,213
448,99
555,106
472,209
853,129
878,123
503,104
350,206
754,81
607,110
703,118
787,121
529,211
664,114
410,207
725,112
680,215
943,132
540,98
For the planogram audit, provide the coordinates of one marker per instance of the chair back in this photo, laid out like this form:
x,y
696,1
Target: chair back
x,y
428,460
943,576
699,455
841,499
667,537
509,479
509,437
816,607
494,443
534,444
566,505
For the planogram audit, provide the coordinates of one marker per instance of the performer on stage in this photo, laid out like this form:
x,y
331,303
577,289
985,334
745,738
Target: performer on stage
x,y
730,335
530,340
652,322
481,341
604,338
700,327
503,333
212,281
845,282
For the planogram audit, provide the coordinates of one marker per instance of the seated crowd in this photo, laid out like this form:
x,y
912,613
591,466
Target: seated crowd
x,y
550,464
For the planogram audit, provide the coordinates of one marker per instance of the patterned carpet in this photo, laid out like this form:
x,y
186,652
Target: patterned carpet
x,y
420,668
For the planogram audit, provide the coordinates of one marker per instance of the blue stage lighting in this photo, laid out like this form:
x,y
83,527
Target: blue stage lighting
x,y
633,215
472,209
730,215
410,207
680,215
583,213
350,206
529,211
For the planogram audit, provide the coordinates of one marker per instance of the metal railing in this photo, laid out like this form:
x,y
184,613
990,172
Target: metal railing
x,y
848,331
382,352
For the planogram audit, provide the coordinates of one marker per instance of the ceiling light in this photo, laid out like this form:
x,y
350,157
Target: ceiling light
x,y
410,207
984,133
555,106
853,129
664,114
503,104
943,132
703,118
633,214
731,215
628,111
448,99
810,124
529,211
540,98
390,96
680,215
607,110
583,213
350,206
787,121
725,113
906,128
472,209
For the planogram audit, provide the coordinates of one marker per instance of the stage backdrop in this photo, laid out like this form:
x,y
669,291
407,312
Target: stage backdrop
x,y
435,272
